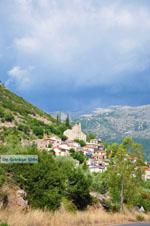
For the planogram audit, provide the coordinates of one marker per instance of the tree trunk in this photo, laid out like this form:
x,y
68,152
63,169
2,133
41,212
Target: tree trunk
x,y
121,197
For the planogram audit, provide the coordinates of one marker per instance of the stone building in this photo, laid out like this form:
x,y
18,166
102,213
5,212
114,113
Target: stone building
x,y
75,133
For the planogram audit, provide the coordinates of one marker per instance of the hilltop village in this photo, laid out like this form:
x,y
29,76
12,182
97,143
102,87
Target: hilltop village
x,y
94,151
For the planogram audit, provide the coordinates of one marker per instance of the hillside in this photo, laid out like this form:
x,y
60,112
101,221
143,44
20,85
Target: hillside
x,y
20,119
116,122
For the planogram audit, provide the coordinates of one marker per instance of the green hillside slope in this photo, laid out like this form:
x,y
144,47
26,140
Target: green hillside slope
x,y
20,119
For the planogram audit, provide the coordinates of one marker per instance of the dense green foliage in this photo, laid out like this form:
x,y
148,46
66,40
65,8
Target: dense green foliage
x,y
77,183
124,172
77,155
124,176
99,183
144,142
57,179
50,180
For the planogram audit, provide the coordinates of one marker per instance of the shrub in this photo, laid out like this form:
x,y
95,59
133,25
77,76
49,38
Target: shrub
x,y
4,224
90,136
99,182
43,182
79,188
4,198
139,217
78,156
1,113
69,205
81,142
63,137
8,117
2,176
12,139
47,182
38,131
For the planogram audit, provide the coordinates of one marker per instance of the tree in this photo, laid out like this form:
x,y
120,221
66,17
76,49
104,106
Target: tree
x,y
72,151
68,121
24,128
77,155
13,140
90,137
77,183
38,131
43,182
99,183
81,142
85,166
59,117
63,137
49,180
124,174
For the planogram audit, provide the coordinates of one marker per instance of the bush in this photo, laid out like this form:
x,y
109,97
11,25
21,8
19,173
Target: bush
x,y
90,137
4,224
47,182
99,182
1,113
49,145
63,137
79,188
2,176
8,117
43,182
12,139
24,128
4,198
2,120
77,155
81,142
139,217
69,206
38,131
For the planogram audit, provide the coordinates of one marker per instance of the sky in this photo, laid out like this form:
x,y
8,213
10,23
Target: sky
x,y
76,55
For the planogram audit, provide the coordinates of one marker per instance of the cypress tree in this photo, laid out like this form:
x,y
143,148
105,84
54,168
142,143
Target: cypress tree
x,y
67,121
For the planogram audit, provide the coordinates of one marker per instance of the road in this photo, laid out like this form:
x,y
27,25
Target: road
x,y
134,224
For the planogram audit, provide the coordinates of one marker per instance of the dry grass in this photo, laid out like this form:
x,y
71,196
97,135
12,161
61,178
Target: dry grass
x,y
85,218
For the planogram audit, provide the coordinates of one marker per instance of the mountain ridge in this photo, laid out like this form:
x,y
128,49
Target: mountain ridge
x,y
114,123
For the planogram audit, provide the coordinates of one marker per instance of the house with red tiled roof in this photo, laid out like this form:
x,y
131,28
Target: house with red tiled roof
x,y
45,142
61,151
146,170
